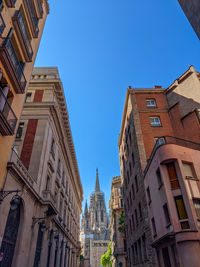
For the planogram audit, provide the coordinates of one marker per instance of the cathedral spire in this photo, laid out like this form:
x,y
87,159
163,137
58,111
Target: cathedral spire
x,y
97,186
86,208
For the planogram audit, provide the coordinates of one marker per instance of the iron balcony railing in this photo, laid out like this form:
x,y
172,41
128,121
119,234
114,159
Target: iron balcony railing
x,y
8,120
10,3
22,24
13,59
2,24
21,168
34,17
163,140
40,7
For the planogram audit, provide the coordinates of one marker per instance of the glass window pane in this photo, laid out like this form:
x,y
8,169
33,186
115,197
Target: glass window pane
x,y
182,214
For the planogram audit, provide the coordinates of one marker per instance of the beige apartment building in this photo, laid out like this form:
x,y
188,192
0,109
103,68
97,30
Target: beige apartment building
x,y
21,27
40,226
116,206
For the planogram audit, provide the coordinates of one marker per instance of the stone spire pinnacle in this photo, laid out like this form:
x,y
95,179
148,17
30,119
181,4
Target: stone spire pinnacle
x,y
97,186
86,207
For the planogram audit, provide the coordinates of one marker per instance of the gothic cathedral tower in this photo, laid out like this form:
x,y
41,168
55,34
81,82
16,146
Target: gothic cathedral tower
x,y
95,221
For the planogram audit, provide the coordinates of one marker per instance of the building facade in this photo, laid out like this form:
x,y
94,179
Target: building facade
x,y
94,228
191,9
40,226
116,206
21,28
174,195
151,115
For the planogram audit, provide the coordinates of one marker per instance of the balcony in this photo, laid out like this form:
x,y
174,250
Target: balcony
x,y
16,164
39,8
33,20
170,140
8,119
10,3
2,25
20,28
12,65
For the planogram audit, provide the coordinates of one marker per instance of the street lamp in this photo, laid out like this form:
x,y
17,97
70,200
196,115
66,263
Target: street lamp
x,y
42,223
4,194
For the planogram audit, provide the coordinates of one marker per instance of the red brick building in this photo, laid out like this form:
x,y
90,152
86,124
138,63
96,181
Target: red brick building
x,y
150,115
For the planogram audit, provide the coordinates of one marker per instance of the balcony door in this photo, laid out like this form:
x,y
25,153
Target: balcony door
x,y
10,237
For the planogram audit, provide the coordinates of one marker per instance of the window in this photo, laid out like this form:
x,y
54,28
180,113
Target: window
x,y
155,121
182,213
136,253
122,202
136,183
47,183
136,217
133,191
130,226
166,213
128,177
153,227
159,141
148,195
63,178
121,191
166,257
159,178
197,206
28,97
130,169
133,254
188,170
140,211
130,198
144,247
53,148
20,130
133,222
102,216
96,217
140,250
58,168
172,175
151,103
133,160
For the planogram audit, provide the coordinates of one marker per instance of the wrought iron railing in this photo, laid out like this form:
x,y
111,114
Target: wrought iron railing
x,y
22,23
40,6
7,44
33,14
2,24
10,3
171,140
23,170
7,111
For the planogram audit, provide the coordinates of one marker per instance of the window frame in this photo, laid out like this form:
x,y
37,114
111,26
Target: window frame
x,y
149,100
155,124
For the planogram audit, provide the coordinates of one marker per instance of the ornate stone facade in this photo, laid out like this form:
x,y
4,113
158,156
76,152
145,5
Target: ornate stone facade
x,y
44,227
94,227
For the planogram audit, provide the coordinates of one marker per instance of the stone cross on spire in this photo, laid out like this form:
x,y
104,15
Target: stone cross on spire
x,y
97,186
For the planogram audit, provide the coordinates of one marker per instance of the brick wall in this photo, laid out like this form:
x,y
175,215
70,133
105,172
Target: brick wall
x,y
28,142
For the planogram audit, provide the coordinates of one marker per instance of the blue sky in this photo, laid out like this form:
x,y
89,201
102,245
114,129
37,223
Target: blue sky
x,y
102,47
